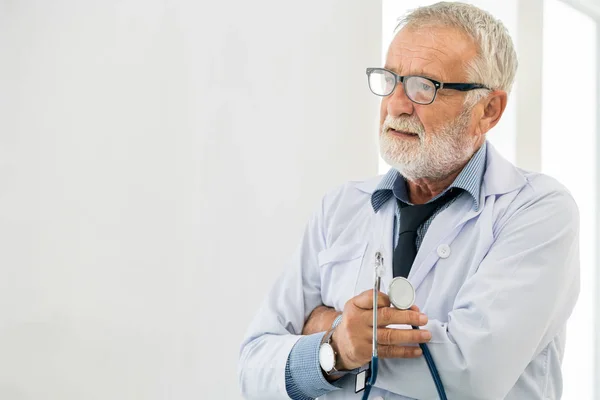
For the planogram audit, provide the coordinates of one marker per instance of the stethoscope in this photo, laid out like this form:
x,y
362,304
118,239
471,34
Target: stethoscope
x,y
402,296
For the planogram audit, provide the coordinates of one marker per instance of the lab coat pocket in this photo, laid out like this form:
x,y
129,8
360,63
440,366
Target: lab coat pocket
x,y
339,268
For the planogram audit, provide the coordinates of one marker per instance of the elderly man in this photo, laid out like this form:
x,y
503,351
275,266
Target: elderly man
x,y
491,250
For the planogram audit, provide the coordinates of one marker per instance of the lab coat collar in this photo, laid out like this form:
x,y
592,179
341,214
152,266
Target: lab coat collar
x,y
501,176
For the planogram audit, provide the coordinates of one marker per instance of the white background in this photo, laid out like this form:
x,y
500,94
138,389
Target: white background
x,y
158,161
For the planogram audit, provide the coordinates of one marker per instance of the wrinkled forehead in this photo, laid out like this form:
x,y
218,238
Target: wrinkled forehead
x,y
440,53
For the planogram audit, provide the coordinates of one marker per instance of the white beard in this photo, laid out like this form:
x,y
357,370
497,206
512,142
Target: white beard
x,y
433,156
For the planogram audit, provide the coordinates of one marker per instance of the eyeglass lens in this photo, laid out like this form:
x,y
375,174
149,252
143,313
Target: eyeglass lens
x,y
418,89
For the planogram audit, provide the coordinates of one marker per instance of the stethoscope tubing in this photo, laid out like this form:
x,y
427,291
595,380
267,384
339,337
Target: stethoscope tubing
x,y
437,380
375,358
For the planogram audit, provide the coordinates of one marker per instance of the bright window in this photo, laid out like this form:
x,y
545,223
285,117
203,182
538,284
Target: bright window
x,y
569,155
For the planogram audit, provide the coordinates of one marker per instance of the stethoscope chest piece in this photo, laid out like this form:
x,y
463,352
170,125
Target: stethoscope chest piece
x,y
401,293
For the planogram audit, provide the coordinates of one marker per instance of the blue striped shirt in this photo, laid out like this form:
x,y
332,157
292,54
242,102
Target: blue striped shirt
x,y
304,379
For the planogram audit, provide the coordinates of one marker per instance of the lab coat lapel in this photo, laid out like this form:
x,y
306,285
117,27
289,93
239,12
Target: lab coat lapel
x,y
387,235
500,177
443,230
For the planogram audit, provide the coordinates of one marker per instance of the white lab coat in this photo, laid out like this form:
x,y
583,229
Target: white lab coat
x,y
498,285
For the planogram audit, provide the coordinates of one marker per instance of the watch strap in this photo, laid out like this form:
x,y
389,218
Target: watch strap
x,y
337,321
328,335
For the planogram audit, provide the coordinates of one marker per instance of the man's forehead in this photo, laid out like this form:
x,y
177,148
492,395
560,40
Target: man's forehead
x,y
436,52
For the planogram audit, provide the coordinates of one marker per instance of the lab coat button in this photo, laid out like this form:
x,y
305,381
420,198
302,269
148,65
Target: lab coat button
x,y
443,251
378,398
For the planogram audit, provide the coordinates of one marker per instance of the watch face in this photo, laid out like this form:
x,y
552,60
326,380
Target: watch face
x,y
326,357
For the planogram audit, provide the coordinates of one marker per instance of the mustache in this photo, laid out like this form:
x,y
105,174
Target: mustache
x,y
404,124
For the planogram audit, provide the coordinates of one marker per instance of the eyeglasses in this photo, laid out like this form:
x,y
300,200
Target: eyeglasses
x,y
418,89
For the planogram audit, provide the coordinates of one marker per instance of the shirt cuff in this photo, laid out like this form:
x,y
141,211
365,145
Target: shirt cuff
x,y
304,378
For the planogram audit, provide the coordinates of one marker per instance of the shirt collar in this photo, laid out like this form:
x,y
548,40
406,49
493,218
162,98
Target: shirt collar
x,y
469,180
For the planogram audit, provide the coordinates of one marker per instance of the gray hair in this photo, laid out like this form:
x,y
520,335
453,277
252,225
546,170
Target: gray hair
x,y
495,65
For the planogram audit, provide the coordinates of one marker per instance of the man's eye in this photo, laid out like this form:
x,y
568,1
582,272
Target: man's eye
x,y
426,87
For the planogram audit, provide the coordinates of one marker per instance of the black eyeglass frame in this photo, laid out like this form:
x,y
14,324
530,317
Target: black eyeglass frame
x,y
463,87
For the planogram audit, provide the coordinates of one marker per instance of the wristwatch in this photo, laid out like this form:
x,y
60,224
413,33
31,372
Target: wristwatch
x,y
328,356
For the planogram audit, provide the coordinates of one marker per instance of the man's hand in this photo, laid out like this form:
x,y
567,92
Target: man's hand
x,y
320,320
352,339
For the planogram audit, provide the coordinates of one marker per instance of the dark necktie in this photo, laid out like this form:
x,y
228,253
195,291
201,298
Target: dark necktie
x,y
411,218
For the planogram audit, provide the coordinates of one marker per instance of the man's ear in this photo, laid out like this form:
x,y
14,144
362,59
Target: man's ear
x,y
493,108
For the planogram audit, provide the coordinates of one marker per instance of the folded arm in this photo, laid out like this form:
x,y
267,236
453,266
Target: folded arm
x,y
277,328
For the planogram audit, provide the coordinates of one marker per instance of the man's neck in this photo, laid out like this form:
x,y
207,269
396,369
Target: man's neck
x,y
422,190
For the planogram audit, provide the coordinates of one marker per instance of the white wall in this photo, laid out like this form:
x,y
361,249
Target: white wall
x,y
157,163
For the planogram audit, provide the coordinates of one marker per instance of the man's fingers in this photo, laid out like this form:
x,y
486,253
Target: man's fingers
x,y
365,300
398,351
390,336
388,316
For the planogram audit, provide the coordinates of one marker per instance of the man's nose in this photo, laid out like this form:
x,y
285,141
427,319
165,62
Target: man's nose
x,y
398,102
